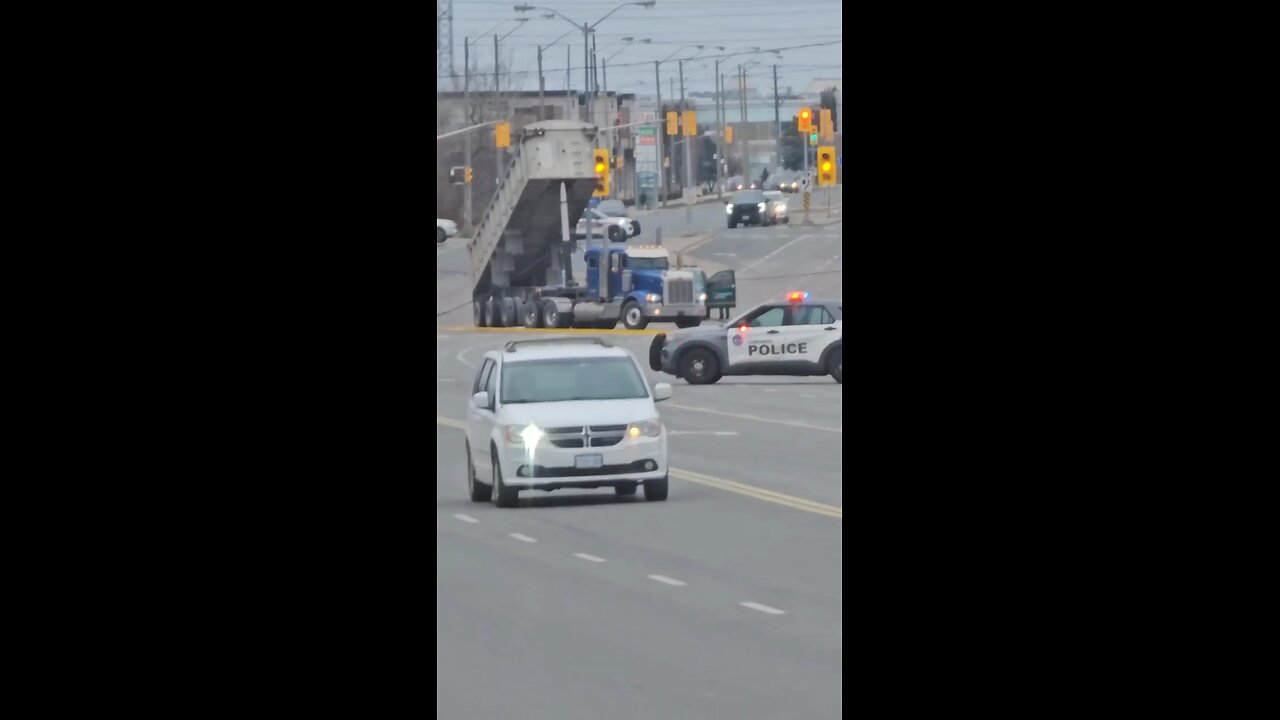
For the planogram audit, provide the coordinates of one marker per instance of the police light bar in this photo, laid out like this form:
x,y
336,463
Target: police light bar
x,y
798,296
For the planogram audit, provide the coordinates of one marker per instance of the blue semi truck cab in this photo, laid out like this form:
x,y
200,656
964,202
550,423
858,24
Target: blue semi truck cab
x,y
649,289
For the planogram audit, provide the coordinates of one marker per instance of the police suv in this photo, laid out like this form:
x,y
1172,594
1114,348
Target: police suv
x,y
794,336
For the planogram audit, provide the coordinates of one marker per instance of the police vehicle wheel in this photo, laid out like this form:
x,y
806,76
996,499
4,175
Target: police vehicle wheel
x,y
633,317
479,491
687,322
529,315
440,236
507,311
503,496
655,490
699,367
655,352
835,365
628,489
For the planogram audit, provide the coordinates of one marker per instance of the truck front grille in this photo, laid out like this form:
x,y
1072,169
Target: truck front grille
x,y
679,291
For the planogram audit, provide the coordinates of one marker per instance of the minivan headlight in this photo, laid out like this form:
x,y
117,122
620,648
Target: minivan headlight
x,y
646,428
524,435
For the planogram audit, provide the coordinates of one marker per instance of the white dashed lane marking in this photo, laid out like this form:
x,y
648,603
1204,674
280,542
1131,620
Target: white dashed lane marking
x,y
667,580
585,556
465,518
721,433
762,608
522,538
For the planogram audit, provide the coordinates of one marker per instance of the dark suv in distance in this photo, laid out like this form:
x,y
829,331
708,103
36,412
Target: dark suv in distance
x,y
749,207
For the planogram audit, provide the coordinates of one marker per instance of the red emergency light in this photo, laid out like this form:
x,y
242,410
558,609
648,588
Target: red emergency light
x,y
798,296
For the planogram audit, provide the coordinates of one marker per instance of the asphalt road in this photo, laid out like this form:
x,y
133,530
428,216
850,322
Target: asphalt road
x,y
722,602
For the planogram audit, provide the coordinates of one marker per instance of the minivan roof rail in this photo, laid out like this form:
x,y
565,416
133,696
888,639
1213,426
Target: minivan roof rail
x,y
512,345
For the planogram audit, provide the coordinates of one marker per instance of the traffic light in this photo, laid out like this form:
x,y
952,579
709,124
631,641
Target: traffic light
x,y
813,138
690,123
466,175
502,135
673,122
728,134
805,119
826,165
602,173
825,128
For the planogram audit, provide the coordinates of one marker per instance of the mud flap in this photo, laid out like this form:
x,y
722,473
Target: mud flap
x,y
655,352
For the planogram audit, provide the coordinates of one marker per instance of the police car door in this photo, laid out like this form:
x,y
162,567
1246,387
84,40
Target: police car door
x,y
756,340
812,328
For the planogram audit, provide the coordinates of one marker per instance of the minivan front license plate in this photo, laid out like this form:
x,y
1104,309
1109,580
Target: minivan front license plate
x,y
588,462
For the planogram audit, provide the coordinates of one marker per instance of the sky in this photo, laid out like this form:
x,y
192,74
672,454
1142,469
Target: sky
x,y
674,29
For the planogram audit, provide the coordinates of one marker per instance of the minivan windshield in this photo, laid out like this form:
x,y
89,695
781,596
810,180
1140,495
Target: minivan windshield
x,y
535,381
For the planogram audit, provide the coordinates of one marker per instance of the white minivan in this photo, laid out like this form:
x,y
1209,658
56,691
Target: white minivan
x,y
560,413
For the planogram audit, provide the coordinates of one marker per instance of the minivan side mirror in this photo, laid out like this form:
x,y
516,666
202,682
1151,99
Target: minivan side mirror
x,y
661,391
480,400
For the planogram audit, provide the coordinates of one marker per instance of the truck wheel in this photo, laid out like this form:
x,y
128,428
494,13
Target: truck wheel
x,y
633,317
635,228
552,317
507,312
699,367
835,365
529,315
605,324
615,234
477,312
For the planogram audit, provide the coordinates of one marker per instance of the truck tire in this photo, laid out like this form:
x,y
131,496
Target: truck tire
x,y
552,317
635,226
699,366
530,316
633,317
488,313
616,235
477,312
507,312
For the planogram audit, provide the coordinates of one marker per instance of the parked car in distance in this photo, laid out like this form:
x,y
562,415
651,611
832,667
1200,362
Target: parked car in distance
x,y
445,229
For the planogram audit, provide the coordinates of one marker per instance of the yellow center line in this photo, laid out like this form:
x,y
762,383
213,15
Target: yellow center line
x,y
752,491
554,331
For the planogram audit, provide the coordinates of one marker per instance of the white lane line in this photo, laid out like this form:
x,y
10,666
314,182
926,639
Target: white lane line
x,y
775,252
726,254
771,390
722,433
762,608
465,518
522,538
806,395
667,580
742,416
585,556
462,359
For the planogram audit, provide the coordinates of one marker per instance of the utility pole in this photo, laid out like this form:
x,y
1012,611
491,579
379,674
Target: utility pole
x,y
777,119
692,189
497,151
466,139
719,128
542,84
586,73
662,173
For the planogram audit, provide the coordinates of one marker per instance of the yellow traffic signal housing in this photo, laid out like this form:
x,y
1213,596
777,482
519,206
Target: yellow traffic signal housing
x,y
728,134
466,176
826,165
601,168
690,123
805,119
673,122
502,134
825,128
